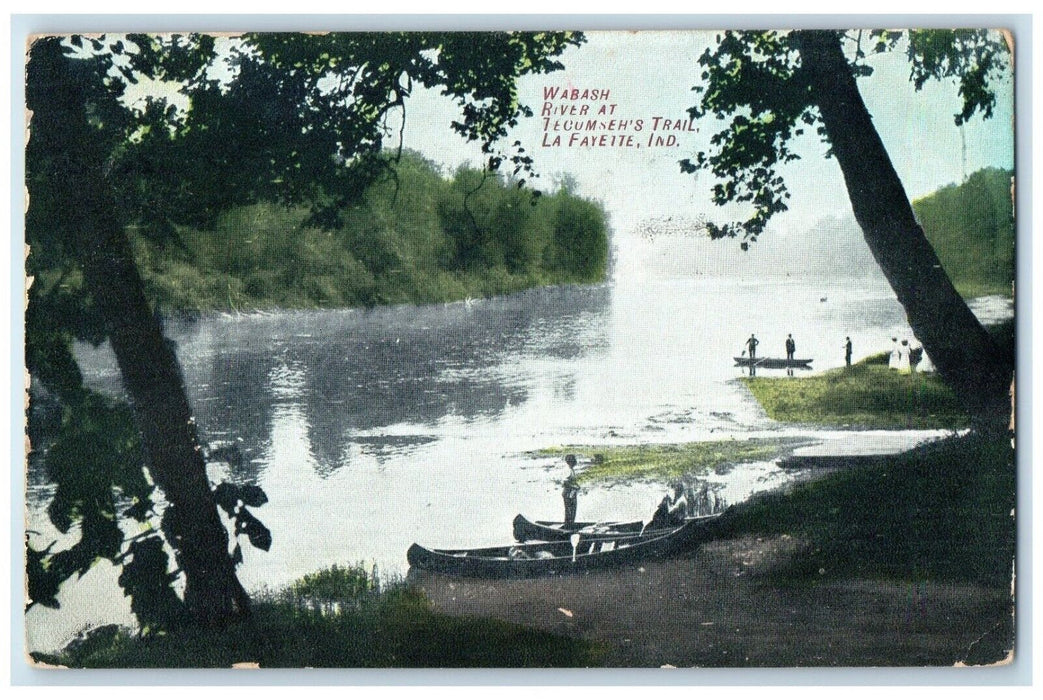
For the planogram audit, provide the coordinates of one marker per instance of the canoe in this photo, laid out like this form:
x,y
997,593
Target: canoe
x,y
525,529
556,557
771,362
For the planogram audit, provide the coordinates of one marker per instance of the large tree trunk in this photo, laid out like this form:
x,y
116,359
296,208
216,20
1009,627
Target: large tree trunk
x,y
74,172
152,378
966,356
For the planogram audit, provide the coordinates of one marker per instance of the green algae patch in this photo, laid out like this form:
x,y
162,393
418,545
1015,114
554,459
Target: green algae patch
x,y
662,462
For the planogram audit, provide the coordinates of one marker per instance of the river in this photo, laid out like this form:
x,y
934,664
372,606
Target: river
x,y
372,429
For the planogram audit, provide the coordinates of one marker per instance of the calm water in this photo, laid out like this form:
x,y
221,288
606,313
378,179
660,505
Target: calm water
x,y
370,430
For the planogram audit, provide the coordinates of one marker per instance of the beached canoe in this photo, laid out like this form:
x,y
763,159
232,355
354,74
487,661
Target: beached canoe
x,y
772,362
559,557
525,529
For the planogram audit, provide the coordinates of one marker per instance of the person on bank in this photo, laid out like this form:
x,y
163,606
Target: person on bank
x,y
904,366
791,347
570,491
752,344
671,511
896,355
847,351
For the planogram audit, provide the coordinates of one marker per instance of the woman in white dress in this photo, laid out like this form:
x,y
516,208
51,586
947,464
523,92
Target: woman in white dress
x,y
903,358
896,355
925,364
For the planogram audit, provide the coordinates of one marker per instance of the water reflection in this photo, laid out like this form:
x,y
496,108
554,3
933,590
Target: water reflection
x,y
384,380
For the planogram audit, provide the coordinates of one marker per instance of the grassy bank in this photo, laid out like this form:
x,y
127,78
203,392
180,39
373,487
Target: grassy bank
x,y
662,462
335,619
865,395
941,512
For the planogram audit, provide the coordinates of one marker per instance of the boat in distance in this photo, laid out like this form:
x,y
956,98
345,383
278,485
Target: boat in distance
x,y
525,529
558,557
772,362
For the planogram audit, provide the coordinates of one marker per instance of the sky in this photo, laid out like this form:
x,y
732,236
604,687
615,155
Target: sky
x,y
650,74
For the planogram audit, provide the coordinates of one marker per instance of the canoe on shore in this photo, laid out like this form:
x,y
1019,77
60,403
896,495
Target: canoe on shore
x,y
525,529
772,362
559,557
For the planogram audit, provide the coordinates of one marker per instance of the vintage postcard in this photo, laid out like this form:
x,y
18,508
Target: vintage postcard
x,y
605,349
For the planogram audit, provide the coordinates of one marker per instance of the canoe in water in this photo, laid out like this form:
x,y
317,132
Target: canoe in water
x,y
772,362
559,557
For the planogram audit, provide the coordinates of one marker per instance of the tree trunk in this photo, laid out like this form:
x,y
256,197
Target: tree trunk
x,y
965,355
73,169
152,378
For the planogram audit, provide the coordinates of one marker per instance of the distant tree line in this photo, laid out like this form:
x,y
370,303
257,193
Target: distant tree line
x,y
971,227
414,237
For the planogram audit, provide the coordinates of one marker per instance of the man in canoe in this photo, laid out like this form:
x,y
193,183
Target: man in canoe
x,y
751,345
791,347
570,492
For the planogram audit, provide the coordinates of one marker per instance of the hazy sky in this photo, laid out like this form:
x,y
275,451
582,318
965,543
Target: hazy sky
x,y
650,74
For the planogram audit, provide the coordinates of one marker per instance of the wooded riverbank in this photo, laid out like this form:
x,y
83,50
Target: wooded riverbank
x,y
415,237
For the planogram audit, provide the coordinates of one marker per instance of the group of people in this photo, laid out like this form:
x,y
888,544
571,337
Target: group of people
x,y
752,343
905,359
791,348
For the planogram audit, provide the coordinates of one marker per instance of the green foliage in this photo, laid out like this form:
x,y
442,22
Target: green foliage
x,y
416,237
337,583
940,512
971,228
95,461
395,627
94,458
867,395
580,241
233,500
752,82
754,86
148,583
974,58
299,119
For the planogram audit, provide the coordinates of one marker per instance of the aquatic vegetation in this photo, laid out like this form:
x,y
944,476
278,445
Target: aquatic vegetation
x,y
660,462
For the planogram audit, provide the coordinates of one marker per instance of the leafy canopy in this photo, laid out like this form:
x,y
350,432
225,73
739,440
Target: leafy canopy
x,y
754,86
176,130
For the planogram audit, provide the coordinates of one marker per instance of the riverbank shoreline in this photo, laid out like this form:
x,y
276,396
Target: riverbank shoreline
x,y
196,315
792,578
832,569
719,607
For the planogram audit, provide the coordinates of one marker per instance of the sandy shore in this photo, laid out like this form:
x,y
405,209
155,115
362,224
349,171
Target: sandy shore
x,y
717,607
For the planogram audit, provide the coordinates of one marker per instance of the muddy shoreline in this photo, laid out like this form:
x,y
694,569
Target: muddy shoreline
x,y
727,604
719,607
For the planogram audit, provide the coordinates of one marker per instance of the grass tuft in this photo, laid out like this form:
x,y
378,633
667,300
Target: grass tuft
x,y
336,618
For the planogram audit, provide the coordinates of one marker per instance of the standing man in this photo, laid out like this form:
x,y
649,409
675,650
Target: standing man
x,y
570,492
847,351
791,347
752,344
